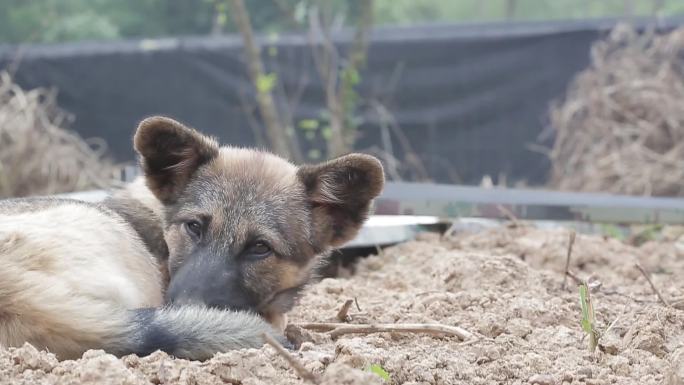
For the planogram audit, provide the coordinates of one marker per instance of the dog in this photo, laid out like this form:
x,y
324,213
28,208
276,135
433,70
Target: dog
x,y
204,253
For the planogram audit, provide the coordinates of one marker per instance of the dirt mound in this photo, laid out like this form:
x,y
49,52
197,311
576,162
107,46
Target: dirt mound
x,y
620,126
502,285
38,155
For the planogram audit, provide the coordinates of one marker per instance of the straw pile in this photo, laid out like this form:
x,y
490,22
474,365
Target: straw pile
x,y
620,128
37,155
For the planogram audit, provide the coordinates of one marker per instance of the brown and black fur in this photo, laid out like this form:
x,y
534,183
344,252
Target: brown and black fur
x,y
193,258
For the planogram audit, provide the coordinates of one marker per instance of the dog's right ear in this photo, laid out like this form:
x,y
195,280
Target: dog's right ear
x,y
169,154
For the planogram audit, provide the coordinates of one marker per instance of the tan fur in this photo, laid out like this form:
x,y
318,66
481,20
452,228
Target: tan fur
x,y
139,190
65,263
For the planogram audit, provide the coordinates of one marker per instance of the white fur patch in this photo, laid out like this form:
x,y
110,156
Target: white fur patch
x,y
90,252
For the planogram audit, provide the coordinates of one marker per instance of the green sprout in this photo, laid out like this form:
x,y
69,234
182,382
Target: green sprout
x,y
377,369
588,317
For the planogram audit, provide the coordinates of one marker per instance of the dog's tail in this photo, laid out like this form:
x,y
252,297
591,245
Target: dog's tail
x,y
191,332
41,309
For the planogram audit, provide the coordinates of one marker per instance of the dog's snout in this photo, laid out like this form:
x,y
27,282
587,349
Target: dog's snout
x,y
201,282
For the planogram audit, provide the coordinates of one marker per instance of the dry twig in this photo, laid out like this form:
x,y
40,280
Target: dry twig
x,y
574,277
343,314
508,214
571,242
338,329
303,372
653,286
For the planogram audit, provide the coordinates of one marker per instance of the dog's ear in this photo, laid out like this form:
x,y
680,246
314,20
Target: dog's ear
x,y
169,155
340,192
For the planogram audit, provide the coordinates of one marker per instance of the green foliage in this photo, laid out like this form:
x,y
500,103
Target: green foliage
x,y
426,11
377,369
308,124
266,83
66,20
314,154
612,231
646,234
326,132
220,15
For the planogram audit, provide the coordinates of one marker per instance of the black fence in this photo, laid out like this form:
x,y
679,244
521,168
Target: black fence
x,y
469,99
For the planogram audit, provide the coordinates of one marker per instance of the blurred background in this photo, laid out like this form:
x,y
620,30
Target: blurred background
x,y
580,95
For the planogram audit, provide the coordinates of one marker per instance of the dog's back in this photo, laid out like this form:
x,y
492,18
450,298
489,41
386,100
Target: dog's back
x,y
76,276
65,260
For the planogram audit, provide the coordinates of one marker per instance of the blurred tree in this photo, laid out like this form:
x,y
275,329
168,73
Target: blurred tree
x,y
424,11
66,20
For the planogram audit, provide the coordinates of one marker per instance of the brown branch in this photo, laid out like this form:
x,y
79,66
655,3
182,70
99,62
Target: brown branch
x,y
571,242
343,314
338,329
653,286
338,90
327,60
575,278
411,155
303,372
255,67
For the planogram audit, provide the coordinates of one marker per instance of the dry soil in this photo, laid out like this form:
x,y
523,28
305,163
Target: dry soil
x,y
503,285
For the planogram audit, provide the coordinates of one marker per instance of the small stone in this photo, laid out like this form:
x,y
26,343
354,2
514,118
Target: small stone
x,y
676,376
542,379
620,365
90,354
28,357
610,344
583,373
568,377
297,336
594,381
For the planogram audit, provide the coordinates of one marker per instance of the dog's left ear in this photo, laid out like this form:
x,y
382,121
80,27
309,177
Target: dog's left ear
x,y
170,153
340,192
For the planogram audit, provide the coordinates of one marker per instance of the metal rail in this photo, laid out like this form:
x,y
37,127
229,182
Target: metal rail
x,y
449,201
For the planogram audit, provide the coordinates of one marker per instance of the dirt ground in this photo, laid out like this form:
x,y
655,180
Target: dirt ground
x,y
503,285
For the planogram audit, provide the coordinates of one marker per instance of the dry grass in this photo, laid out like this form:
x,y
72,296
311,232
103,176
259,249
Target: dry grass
x,y
37,155
620,128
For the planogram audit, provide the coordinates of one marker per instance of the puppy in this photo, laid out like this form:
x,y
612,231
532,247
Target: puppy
x,y
203,254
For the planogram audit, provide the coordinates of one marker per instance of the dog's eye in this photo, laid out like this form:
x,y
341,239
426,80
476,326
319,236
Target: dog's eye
x,y
260,250
194,228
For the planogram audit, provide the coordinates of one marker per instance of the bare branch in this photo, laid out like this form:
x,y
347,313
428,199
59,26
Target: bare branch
x,y
255,67
653,286
508,214
338,329
343,314
303,372
574,277
571,242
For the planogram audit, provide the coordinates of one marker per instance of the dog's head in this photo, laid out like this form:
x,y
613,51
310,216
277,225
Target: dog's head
x,y
244,227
